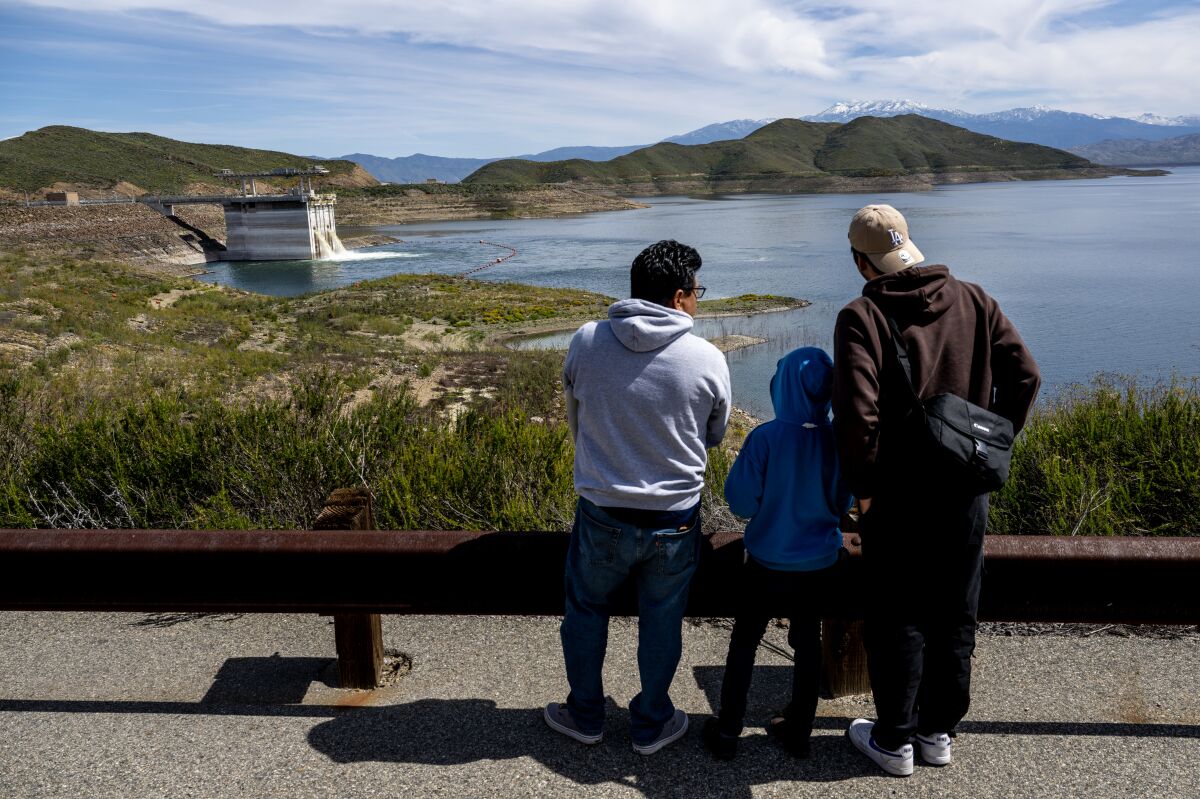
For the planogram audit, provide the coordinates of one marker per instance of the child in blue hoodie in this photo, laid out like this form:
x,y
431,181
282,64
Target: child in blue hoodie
x,y
786,481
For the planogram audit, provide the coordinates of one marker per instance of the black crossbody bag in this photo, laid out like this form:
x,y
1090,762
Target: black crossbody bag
x,y
971,445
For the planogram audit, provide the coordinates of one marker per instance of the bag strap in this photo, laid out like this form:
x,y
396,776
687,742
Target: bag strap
x,y
901,357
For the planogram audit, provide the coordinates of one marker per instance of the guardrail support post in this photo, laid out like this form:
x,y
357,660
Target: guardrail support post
x,y
359,636
843,659
843,656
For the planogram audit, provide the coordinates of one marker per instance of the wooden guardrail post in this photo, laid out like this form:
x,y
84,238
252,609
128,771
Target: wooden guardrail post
x,y
359,636
843,658
843,655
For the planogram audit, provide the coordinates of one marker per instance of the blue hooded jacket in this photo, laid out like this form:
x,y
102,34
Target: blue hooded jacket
x,y
786,478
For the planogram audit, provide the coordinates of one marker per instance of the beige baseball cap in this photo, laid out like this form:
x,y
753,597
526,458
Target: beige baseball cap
x,y
880,232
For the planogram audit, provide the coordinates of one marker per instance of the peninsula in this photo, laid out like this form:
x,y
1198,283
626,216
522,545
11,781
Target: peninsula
x,y
903,153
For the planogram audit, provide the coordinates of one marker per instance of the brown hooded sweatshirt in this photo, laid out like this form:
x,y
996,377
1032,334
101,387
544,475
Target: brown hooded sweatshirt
x,y
958,341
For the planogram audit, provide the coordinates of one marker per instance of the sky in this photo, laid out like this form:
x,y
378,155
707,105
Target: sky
x,y
487,78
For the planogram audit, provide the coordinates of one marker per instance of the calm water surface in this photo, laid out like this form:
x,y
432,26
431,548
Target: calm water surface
x,y
1099,275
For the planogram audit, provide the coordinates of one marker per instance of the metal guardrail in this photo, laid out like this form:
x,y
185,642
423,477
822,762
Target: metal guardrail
x,y
1027,578
350,571
99,201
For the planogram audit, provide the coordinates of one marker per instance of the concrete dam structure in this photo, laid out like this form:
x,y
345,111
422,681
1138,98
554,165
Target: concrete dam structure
x,y
297,226
281,228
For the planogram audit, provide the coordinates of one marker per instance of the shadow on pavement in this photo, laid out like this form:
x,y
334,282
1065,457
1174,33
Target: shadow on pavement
x,y
269,681
460,731
441,732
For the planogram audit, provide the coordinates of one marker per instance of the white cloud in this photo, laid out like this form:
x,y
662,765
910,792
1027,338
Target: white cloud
x,y
487,78
749,35
1148,64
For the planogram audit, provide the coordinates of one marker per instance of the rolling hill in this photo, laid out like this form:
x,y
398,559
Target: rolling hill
x,y
776,156
133,163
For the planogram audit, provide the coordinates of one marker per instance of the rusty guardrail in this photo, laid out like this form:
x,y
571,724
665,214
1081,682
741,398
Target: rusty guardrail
x,y
354,573
1028,578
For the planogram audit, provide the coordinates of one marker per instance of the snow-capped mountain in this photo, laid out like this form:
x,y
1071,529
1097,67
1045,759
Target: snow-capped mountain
x,y
853,109
1037,124
1155,119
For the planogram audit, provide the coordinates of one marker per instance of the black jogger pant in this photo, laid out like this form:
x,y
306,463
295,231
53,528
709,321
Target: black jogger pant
x,y
765,594
923,561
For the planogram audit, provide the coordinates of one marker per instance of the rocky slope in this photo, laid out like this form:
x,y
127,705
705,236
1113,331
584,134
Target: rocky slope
x,y
130,233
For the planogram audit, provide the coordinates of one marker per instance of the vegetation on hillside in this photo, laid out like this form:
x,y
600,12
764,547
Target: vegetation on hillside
x,y
86,158
223,409
126,402
865,147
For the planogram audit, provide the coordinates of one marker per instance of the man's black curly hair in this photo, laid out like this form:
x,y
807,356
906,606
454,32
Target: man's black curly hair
x,y
662,269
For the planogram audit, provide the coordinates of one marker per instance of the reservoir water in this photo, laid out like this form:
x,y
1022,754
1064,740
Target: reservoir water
x,y
1099,275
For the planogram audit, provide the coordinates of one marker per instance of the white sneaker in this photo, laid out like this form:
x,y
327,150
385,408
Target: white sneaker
x,y
935,749
675,728
899,763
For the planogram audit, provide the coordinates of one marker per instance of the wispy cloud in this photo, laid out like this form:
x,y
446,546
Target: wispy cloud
x,y
488,78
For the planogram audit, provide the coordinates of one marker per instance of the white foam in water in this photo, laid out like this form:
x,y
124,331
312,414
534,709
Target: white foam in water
x,y
372,255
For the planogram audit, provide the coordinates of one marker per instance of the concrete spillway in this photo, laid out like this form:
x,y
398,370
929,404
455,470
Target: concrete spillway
x,y
283,227
280,229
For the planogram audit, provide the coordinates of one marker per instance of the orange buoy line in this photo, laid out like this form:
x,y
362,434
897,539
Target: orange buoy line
x,y
512,251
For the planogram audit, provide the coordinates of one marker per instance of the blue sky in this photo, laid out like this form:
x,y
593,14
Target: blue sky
x,y
500,77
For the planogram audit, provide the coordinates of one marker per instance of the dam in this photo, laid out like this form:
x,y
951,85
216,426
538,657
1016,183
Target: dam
x,y
297,225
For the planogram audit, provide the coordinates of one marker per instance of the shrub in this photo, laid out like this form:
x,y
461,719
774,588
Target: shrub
x,y
1112,458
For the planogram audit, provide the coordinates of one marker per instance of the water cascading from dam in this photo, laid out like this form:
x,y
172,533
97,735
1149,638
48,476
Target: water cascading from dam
x,y
328,244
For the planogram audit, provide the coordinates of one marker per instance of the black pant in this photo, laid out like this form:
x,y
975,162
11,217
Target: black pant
x,y
766,594
923,558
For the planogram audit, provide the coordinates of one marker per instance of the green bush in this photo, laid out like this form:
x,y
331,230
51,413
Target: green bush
x,y
1109,459
1112,458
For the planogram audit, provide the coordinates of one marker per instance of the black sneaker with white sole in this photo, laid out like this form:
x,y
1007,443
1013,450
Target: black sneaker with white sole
x,y
559,719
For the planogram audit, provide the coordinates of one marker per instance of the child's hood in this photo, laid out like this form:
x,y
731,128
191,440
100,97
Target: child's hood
x,y
802,386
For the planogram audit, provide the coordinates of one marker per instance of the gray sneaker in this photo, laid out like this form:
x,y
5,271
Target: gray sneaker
x,y
558,717
675,728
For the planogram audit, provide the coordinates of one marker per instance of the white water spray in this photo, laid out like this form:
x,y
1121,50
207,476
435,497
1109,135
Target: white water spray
x,y
329,246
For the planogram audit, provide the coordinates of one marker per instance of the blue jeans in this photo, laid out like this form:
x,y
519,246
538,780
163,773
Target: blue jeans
x,y
603,553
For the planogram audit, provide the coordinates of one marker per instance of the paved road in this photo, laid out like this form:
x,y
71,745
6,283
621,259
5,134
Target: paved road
x,y
123,705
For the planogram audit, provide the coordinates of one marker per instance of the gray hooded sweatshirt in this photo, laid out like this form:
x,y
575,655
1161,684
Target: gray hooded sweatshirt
x,y
645,399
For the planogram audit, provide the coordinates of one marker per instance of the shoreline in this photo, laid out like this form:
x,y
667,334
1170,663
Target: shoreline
x,y
506,339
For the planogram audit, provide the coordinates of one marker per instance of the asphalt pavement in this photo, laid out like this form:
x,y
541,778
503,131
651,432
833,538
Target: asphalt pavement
x,y
171,705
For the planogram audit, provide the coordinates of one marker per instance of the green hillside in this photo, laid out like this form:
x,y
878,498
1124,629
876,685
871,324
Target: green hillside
x,y
865,147
89,159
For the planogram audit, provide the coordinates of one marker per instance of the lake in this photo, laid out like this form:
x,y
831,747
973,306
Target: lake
x,y
1098,275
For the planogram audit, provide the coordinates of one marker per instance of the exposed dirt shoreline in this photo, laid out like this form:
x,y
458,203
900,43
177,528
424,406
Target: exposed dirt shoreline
x,y
446,203
510,338
841,184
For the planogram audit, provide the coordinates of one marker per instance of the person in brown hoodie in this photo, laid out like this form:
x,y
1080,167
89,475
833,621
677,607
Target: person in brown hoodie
x,y
922,537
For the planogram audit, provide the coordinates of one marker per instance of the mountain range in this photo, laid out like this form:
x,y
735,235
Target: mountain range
x,y
798,155
1039,125
419,167
1178,151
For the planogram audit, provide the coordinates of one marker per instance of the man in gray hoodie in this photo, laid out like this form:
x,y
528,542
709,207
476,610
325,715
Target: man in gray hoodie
x,y
645,400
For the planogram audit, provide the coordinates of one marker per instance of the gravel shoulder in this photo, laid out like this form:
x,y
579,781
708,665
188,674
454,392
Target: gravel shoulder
x,y
119,705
